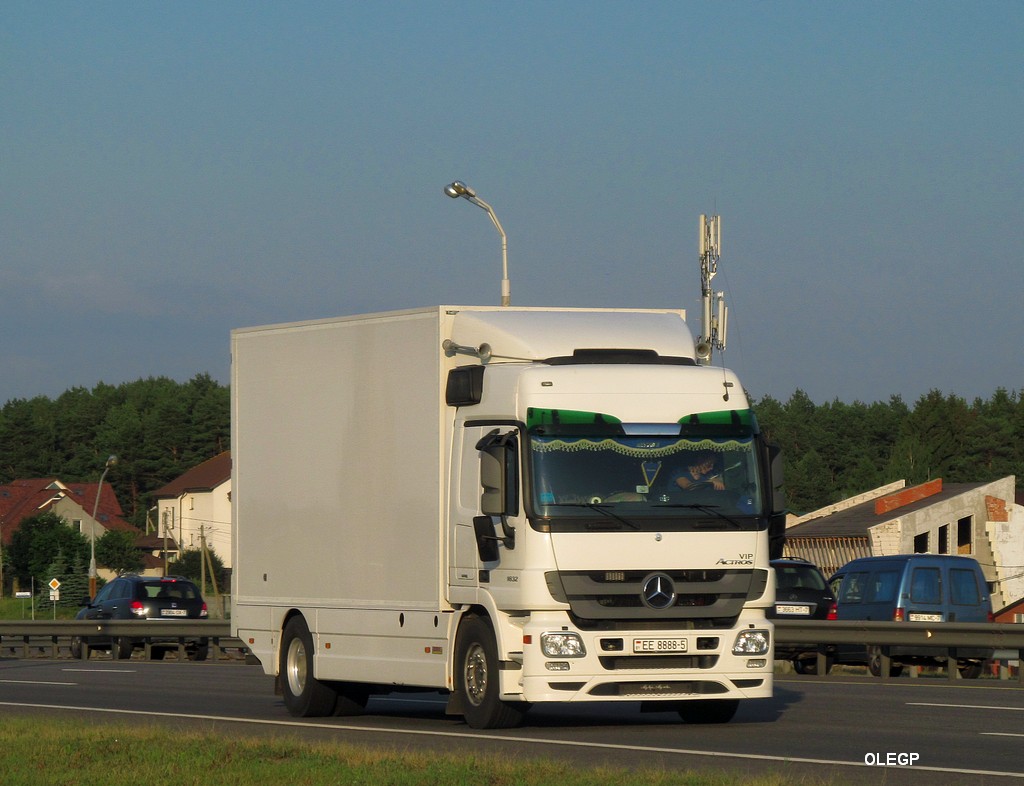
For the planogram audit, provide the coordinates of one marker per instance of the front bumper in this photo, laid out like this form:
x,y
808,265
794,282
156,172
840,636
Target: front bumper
x,y
626,664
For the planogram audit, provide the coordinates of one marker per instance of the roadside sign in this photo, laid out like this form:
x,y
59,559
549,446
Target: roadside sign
x,y
54,584
23,595
54,595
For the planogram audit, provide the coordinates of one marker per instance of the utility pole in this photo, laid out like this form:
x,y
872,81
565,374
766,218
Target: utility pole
x,y
202,556
166,514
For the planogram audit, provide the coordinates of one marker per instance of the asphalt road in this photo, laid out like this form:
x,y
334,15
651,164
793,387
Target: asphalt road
x,y
840,729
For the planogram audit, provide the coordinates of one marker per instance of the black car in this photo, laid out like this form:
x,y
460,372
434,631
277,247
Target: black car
x,y
144,598
801,593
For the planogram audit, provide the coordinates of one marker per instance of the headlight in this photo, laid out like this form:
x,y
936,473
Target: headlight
x,y
751,642
562,645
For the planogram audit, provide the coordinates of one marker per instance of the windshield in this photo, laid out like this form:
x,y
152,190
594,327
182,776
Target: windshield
x,y
582,464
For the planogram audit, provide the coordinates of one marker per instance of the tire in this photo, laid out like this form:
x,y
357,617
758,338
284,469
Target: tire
x,y
810,665
121,648
76,648
351,698
476,678
197,652
970,669
708,710
304,695
875,665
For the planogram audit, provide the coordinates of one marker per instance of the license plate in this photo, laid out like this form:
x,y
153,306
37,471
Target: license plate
x,y
781,608
659,645
173,612
920,617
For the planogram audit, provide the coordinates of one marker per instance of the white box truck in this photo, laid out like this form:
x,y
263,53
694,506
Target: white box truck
x,y
508,505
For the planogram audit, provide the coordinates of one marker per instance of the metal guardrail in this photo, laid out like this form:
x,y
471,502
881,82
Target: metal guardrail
x,y
26,634
1009,636
1006,639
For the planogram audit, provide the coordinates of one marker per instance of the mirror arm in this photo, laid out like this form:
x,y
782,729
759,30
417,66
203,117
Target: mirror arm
x,y
509,541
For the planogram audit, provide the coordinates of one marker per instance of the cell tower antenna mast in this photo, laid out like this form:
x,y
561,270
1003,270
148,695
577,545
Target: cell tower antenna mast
x,y
714,312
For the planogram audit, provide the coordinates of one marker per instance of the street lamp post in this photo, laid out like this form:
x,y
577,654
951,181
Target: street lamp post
x,y
460,189
111,461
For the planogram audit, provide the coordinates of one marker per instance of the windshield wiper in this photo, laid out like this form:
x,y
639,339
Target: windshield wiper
x,y
712,509
600,508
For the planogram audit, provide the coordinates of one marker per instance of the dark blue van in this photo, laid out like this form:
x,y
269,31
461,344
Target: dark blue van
x,y
913,588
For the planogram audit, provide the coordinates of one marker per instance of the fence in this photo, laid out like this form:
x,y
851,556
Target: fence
x,y
26,635
1006,640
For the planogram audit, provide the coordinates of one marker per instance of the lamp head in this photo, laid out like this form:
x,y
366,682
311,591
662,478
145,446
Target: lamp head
x,y
459,189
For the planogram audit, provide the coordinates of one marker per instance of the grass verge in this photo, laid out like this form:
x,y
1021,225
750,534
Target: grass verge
x,y
75,752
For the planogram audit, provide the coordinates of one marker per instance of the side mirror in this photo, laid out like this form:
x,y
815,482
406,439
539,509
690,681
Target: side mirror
x,y
499,474
499,478
493,473
776,535
775,470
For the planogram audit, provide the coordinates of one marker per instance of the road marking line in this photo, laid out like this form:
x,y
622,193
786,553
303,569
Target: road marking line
x,y
35,682
963,706
504,738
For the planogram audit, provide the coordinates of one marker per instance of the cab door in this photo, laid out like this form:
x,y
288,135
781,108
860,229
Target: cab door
x,y
464,559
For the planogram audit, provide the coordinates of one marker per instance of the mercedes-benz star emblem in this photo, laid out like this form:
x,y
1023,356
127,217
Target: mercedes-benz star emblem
x,y
658,592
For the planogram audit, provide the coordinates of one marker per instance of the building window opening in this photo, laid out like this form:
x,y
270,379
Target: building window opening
x,y
963,536
944,539
921,543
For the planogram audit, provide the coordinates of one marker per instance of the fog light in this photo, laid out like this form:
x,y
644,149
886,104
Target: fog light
x,y
756,663
751,642
562,645
557,665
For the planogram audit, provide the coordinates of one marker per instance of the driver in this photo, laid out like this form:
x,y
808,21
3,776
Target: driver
x,y
703,468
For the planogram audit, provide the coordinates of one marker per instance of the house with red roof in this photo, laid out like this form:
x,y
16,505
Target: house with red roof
x,y
73,502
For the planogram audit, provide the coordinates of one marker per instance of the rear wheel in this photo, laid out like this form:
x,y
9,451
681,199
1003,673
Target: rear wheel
x,y
708,710
875,665
476,661
304,695
197,651
76,648
121,647
810,665
970,669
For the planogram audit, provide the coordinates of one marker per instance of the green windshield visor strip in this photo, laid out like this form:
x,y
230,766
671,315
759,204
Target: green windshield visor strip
x,y
636,447
537,417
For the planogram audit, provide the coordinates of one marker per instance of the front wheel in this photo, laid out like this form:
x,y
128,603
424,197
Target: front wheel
x,y
708,710
476,661
304,695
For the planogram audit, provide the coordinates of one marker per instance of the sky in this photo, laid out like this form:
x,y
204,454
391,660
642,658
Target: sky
x,y
171,171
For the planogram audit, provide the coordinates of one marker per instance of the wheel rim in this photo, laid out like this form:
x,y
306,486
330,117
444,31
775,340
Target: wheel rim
x,y
476,674
296,667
